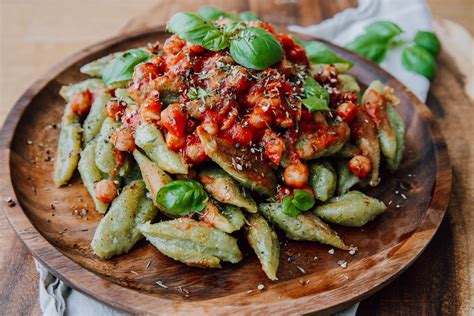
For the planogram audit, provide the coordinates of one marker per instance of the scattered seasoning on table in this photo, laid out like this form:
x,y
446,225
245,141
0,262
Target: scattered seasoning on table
x,y
63,231
315,258
331,251
183,290
353,250
403,196
260,287
161,284
148,264
10,202
342,263
29,142
301,269
304,282
134,272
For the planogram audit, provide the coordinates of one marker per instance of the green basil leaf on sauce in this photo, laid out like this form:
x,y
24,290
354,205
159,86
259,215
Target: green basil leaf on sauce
x,y
319,53
315,104
303,200
255,48
384,29
121,68
289,208
248,16
181,197
429,41
195,29
419,60
317,97
212,13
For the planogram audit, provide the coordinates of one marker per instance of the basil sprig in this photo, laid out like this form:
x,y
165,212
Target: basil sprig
x,y
195,29
375,42
255,48
418,55
181,197
317,97
301,201
251,47
419,60
121,68
319,53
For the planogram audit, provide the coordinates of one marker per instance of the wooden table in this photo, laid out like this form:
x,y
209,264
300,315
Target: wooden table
x,y
34,37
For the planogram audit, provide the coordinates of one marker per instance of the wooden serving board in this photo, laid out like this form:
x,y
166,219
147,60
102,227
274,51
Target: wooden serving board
x,y
57,224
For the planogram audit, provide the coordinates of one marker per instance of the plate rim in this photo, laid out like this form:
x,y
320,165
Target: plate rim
x,y
137,302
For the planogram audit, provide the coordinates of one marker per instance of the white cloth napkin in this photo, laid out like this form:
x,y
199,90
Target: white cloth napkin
x,y
56,298
410,15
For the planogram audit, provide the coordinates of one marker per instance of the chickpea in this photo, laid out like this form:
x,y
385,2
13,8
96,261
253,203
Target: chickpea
x,y
360,166
173,45
296,175
123,140
114,109
81,102
175,142
105,191
274,146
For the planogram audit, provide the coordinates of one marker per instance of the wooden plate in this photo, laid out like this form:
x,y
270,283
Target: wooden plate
x,y
57,224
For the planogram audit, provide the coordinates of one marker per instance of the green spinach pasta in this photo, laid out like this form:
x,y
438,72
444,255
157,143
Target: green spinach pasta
x,y
227,126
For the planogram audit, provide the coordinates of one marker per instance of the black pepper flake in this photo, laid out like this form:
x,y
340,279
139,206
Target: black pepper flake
x,y
10,202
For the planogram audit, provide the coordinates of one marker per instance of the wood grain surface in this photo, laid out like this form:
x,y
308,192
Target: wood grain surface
x,y
437,283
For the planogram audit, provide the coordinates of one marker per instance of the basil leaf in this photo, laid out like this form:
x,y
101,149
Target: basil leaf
x,y
198,93
315,104
121,68
248,16
288,207
419,60
317,97
233,28
255,48
197,30
319,53
384,29
370,46
429,41
303,200
181,197
211,13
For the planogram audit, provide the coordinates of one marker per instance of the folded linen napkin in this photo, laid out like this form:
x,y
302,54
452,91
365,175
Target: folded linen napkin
x,y
56,298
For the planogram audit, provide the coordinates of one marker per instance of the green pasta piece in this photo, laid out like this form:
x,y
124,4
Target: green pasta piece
x,y
244,167
117,232
308,146
264,241
368,143
323,179
90,174
67,156
96,117
234,215
225,189
346,179
191,242
96,67
105,158
149,138
67,92
399,128
349,83
352,209
214,217
386,135
305,226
